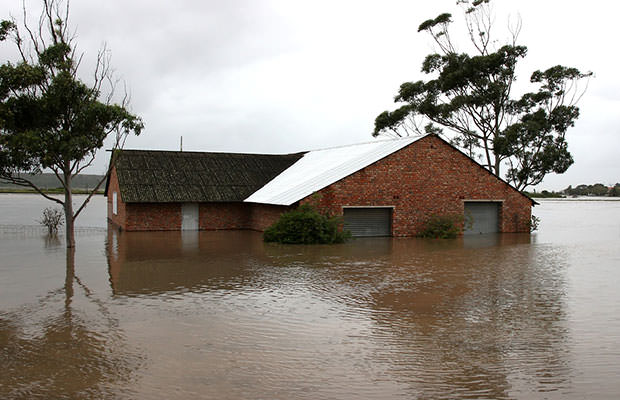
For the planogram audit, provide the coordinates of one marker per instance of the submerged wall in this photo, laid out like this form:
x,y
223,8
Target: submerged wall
x,y
168,216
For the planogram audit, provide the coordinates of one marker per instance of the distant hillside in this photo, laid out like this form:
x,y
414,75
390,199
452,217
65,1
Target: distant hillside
x,y
49,181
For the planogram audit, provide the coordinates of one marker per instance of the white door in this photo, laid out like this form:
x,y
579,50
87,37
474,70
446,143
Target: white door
x,y
190,217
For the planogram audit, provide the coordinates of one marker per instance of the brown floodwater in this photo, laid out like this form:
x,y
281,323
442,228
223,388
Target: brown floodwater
x,y
222,315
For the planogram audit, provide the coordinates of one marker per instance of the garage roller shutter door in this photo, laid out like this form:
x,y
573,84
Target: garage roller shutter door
x,y
368,221
484,217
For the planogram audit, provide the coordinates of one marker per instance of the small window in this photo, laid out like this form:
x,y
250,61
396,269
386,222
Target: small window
x,y
114,203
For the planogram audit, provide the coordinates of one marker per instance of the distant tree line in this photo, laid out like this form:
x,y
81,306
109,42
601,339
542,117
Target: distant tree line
x,y
597,189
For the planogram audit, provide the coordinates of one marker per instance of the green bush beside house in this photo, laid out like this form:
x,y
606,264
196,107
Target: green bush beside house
x,y
305,225
443,226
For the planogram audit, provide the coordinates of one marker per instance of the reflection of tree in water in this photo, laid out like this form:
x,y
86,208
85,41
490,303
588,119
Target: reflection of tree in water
x,y
52,241
65,355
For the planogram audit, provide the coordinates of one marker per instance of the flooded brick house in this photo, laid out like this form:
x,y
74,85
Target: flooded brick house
x,y
381,188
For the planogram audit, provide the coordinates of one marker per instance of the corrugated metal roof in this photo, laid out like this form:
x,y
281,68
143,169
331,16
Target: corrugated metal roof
x,y
320,168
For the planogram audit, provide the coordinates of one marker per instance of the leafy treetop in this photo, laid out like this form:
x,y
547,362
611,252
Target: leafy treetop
x,y
471,96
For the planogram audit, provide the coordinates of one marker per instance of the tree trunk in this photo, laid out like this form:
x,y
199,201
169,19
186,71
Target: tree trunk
x,y
70,276
498,164
69,233
487,153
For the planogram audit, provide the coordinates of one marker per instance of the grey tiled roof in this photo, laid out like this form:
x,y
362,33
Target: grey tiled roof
x,y
146,176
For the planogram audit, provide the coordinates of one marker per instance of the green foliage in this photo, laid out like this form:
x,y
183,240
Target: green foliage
x,y
305,225
598,189
6,27
534,222
443,226
52,219
470,95
545,194
64,122
441,19
49,118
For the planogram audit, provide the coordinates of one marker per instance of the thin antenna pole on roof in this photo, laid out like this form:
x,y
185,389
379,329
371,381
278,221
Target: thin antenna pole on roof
x,y
181,143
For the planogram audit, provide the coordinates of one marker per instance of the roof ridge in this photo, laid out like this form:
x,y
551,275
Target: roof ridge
x,y
411,137
213,152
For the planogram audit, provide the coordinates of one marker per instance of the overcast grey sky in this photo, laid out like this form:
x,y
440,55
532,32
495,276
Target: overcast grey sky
x,y
273,76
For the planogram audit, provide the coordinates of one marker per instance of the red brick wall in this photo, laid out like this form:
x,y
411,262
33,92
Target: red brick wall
x,y
142,216
153,217
121,216
428,177
264,215
214,216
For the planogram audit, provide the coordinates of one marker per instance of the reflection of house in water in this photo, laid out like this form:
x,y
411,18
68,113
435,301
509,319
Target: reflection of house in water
x,y
456,316
491,240
143,263
466,318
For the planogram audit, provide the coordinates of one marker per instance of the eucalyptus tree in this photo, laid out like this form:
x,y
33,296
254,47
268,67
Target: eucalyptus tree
x,y
50,119
471,96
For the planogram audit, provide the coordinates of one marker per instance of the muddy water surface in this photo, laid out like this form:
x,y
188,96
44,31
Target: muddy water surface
x,y
222,315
